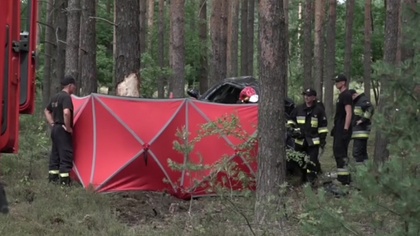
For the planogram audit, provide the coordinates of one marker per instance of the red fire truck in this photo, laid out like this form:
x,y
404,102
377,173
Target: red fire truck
x,y
17,72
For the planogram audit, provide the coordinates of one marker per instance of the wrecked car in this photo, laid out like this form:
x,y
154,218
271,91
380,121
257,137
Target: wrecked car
x,y
229,90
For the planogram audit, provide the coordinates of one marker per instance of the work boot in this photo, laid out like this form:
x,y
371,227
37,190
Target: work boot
x,y
344,179
65,179
53,178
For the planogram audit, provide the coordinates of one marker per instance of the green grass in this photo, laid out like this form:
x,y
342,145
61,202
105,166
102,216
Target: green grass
x,y
40,208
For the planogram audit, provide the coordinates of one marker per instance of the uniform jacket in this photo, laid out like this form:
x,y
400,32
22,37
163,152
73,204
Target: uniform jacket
x,y
362,110
312,123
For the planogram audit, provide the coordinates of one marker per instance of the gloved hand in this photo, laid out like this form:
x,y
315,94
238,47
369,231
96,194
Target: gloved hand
x,y
296,133
322,144
346,135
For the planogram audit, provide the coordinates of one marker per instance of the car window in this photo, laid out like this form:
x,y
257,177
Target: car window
x,y
227,94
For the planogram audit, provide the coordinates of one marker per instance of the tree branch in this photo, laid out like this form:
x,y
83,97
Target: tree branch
x,y
103,19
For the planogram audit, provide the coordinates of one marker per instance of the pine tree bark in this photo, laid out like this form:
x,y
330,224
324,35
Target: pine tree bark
x,y
319,47
59,49
143,27
250,38
232,39
177,55
203,72
381,152
49,41
244,37
330,61
88,68
161,48
127,40
367,57
271,135
218,30
349,38
307,44
73,36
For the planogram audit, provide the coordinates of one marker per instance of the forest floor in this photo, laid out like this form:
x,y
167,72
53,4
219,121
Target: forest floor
x,y
40,208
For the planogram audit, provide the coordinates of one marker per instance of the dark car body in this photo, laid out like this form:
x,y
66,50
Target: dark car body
x,y
228,90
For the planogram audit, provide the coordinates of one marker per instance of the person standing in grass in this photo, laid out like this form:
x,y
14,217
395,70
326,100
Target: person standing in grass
x,y
342,129
59,114
363,111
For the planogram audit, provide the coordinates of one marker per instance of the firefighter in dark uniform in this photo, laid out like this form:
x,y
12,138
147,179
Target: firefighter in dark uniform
x,y
309,124
342,129
59,114
362,114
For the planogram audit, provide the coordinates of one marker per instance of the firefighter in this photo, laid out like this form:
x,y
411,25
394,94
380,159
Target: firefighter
x,y
59,114
342,129
309,128
362,114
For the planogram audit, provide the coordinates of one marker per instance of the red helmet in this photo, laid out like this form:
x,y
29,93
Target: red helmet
x,y
248,94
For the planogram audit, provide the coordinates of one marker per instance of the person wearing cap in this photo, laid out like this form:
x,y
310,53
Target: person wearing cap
x,y
362,114
59,114
342,129
309,124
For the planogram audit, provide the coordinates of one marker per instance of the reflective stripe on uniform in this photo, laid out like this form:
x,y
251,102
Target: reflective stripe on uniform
x,y
322,130
299,141
360,134
342,171
358,110
54,172
64,175
367,115
300,119
314,122
316,141
291,122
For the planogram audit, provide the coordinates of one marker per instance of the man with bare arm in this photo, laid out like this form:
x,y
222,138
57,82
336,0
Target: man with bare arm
x,y
342,129
59,114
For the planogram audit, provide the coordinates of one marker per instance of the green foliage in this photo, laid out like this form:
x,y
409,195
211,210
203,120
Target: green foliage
x,y
150,74
104,64
386,200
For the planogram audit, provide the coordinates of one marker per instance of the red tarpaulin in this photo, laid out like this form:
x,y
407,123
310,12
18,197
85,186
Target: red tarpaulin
x,y
124,144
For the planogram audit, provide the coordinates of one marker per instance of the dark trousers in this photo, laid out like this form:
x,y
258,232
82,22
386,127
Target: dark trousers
x,y
313,166
340,149
360,149
61,158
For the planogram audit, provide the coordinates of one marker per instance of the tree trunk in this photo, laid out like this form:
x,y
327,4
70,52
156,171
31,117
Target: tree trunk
x,y
271,135
150,13
161,48
250,38
218,28
127,45
318,47
204,81
232,39
177,55
49,41
307,44
349,38
367,59
143,27
289,44
59,34
73,36
381,152
88,68
244,37
330,61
